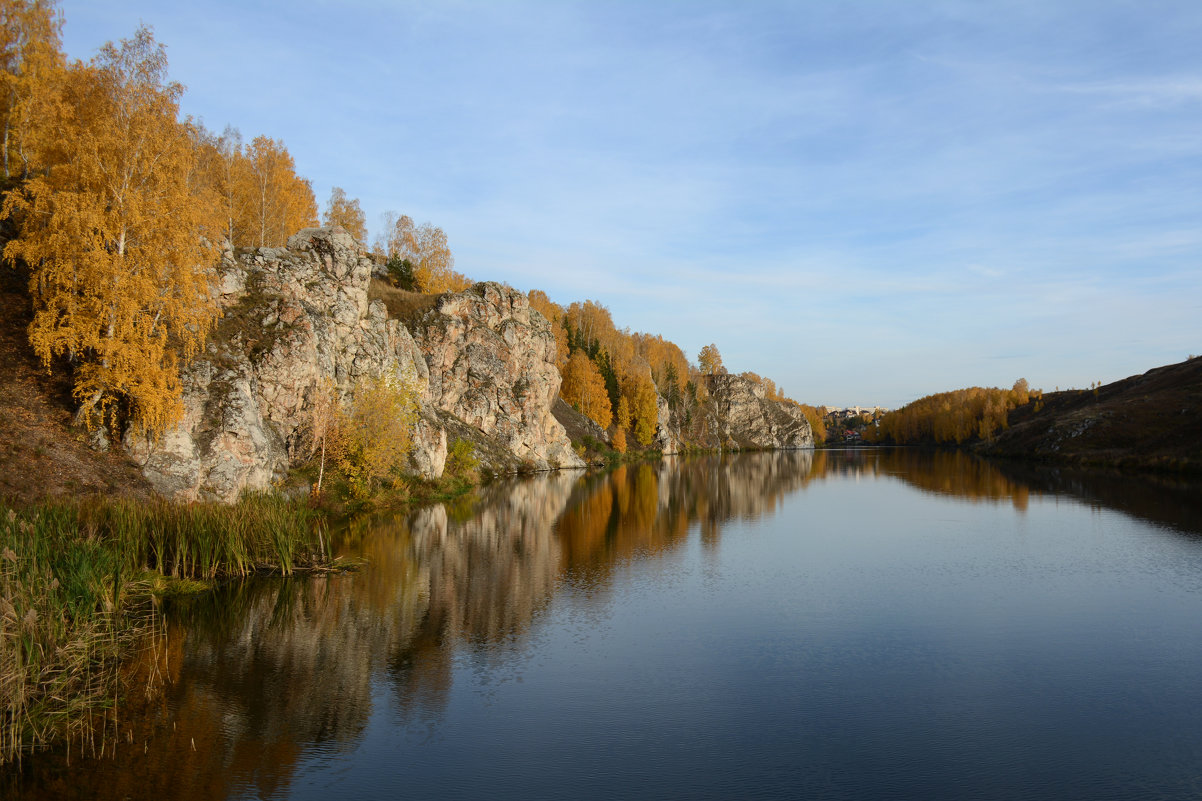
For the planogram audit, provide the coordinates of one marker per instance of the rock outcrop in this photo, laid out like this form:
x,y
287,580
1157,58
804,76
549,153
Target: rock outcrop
x,y
668,438
742,417
296,317
491,364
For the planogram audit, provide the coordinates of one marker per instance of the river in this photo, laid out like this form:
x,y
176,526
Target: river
x,y
835,624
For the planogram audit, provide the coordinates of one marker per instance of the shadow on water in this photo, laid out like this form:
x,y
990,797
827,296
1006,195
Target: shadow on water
x,y
264,674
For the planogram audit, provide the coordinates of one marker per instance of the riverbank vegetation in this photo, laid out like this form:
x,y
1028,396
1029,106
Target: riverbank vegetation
x,y
79,578
955,417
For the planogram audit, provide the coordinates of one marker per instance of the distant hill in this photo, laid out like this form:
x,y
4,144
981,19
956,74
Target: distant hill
x,y
1152,420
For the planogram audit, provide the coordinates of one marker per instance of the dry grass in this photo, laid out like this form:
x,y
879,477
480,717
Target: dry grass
x,y
408,307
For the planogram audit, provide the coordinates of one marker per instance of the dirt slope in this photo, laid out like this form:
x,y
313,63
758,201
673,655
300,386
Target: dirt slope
x,y
1152,420
41,454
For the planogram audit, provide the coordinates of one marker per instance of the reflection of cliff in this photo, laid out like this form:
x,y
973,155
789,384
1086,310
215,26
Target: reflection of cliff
x,y
648,508
484,577
263,672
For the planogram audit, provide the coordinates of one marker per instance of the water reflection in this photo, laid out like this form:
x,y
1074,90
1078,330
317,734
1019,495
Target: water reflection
x,y
265,674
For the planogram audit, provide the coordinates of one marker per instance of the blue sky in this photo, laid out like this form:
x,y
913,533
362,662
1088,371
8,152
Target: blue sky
x,y
865,201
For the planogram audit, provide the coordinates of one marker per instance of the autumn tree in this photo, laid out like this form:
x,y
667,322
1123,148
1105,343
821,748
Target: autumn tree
x,y
954,416
669,366
323,436
623,413
584,389
377,435
232,183
110,233
425,252
555,316
280,201
619,440
709,360
643,405
434,267
590,326
397,237
31,77
816,420
345,212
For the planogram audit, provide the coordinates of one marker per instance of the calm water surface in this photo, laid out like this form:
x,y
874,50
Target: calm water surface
x,y
869,624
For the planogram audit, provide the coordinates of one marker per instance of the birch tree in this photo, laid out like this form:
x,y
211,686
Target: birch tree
x,y
120,283
31,74
345,212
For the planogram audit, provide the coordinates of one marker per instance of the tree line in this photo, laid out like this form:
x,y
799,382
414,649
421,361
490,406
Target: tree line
x,y
952,417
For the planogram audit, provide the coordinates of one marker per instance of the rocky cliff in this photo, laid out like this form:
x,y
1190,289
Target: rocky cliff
x,y
741,417
491,365
296,316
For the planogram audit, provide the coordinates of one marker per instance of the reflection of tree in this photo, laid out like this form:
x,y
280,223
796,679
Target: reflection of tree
x,y
952,473
263,670
647,509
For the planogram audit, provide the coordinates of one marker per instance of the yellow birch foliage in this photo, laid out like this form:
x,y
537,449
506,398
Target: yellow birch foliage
x,y
815,419
619,442
709,360
377,435
425,247
644,410
119,279
280,202
399,238
555,316
954,416
669,366
584,388
31,76
434,268
229,176
345,212
623,412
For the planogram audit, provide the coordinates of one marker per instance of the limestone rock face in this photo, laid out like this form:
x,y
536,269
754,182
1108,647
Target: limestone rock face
x,y
296,316
291,316
668,438
743,418
491,364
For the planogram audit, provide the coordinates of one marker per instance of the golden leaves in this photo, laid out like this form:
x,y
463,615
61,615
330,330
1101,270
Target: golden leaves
x,y
426,250
345,212
111,232
584,388
709,360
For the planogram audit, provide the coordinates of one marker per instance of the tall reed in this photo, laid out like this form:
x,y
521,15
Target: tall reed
x,y
76,580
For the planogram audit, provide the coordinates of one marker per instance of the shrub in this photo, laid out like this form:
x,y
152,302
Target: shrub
x,y
461,460
377,434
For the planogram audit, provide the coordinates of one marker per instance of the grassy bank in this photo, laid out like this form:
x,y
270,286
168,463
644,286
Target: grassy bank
x,y
78,579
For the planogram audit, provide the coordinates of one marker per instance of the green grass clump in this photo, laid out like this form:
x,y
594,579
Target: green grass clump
x,y
77,580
